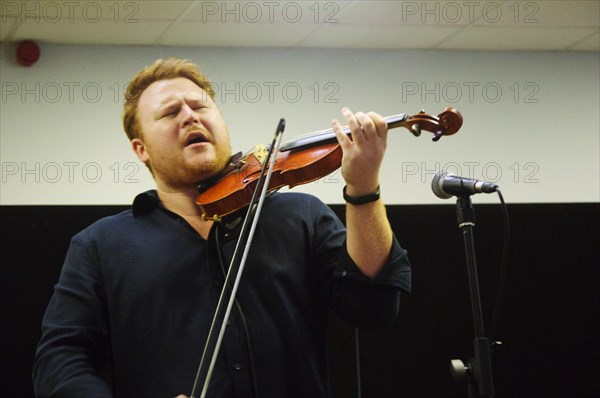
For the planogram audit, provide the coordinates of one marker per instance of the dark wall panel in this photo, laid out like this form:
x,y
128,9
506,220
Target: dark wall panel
x,y
548,323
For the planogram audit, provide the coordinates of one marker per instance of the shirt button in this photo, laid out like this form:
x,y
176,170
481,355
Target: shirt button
x,y
237,366
344,273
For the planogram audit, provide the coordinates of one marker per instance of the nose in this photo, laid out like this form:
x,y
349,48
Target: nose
x,y
190,117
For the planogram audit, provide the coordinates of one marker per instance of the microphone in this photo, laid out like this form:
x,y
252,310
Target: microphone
x,y
445,185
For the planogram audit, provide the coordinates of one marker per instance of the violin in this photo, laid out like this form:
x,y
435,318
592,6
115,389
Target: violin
x,y
300,161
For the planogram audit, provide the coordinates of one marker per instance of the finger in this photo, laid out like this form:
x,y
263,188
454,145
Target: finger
x,y
367,125
380,124
353,124
341,136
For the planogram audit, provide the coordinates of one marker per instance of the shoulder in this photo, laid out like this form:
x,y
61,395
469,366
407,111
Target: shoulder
x,y
116,220
113,225
126,221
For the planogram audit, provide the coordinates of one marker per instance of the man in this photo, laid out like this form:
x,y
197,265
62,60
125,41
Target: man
x,y
138,289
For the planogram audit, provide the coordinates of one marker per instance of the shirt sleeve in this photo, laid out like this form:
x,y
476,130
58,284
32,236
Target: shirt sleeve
x,y
396,272
366,302
360,300
73,346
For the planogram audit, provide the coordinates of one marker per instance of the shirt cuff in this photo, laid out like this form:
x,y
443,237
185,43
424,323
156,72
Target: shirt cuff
x,y
397,272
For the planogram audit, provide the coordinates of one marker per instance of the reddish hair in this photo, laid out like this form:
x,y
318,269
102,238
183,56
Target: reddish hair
x,y
162,69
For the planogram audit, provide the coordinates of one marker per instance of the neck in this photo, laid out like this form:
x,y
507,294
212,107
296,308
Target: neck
x,y
182,201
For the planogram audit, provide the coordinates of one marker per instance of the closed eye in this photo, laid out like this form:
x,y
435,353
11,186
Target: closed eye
x,y
197,106
169,113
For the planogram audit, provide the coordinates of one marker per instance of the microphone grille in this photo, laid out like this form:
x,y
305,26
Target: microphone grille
x,y
437,185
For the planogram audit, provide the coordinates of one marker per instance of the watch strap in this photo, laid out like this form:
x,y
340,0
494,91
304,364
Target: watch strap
x,y
361,200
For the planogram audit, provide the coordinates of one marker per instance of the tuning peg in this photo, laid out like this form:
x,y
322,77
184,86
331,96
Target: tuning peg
x,y
415,129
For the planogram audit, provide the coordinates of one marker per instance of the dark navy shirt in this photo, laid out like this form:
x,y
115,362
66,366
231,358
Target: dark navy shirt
x,y
138,291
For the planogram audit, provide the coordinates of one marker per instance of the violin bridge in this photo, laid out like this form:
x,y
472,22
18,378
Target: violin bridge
x,y
260,153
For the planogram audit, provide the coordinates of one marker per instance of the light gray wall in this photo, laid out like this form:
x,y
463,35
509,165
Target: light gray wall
x,y
531,119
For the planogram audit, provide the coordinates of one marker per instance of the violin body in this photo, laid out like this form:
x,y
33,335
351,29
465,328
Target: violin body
x,y
301,161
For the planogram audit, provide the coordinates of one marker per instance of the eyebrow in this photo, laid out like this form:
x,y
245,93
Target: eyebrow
x,y
187,97
165,106
202,97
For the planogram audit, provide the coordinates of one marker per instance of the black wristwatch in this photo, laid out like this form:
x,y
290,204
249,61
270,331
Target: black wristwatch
x,y
361,200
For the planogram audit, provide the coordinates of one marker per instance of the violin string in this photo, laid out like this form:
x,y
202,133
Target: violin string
x,y
329,133
388,119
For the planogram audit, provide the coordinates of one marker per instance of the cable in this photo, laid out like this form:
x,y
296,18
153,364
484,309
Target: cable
x,y
357,350
242,317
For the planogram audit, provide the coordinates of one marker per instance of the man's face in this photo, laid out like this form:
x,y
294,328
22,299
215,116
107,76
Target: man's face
x,y
183,136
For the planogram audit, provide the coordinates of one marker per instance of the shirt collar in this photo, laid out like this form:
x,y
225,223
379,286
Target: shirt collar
x,y
145,203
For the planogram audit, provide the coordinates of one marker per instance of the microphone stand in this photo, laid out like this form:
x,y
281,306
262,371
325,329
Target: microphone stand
x,y
478,371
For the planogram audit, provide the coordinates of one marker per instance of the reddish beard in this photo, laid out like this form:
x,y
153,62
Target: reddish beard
x,y
189,174
209,169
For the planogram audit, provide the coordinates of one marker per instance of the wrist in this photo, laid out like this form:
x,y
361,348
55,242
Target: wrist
x,y
354,199
362,188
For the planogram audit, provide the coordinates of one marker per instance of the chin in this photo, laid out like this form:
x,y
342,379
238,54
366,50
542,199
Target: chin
x,y
207,170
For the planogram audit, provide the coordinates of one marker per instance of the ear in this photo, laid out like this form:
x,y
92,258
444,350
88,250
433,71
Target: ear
x,y
139,148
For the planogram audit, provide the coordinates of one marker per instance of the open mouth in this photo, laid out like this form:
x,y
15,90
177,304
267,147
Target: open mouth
x,y
196,138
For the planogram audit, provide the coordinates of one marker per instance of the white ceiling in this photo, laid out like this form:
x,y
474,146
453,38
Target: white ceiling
x,y
453,25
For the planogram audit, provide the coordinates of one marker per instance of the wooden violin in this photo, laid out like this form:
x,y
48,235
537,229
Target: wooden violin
x,y
300,161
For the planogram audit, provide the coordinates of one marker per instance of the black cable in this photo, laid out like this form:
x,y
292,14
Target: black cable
x,y
242,317
503,267
357,350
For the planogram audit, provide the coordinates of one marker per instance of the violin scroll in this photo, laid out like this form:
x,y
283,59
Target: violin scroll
x,y
448,122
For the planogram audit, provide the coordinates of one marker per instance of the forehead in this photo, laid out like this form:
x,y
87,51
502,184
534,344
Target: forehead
x,y
162,92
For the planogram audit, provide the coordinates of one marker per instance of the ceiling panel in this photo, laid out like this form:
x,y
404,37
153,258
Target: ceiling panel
x,y
380,36
5,26
82,32
420,13
515,38
216,34
278,13
552,13
531,14
153,10
489,25
589,43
